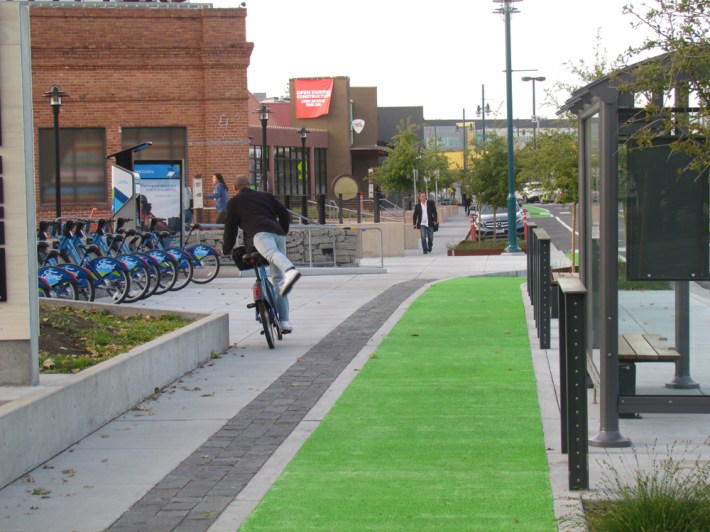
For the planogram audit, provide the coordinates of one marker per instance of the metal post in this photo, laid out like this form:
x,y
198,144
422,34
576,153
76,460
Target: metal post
x,y
483,111
306,186
682,379
55,95
573,385
321,209
609,434
57,164
264,155
512,234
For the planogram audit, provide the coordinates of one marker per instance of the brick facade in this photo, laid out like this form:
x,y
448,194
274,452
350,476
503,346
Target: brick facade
x,y
146,67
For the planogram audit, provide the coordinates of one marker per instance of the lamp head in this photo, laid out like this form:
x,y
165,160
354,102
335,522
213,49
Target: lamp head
x,y
263,112
55,95
304,133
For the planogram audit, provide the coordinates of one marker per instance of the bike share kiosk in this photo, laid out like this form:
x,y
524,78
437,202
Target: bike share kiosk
x,y
643,218
126,186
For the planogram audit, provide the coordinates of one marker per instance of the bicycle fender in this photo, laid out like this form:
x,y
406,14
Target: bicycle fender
x,y
201,250
131,262
79,272
55,276
106,265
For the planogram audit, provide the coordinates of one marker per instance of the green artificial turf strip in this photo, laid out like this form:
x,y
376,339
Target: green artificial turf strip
x,y
440,430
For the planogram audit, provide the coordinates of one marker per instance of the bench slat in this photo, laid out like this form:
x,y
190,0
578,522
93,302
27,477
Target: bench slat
x,y
625,351
646,348
660,345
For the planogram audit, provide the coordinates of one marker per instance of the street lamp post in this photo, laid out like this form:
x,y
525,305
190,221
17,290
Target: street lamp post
x,y
264,117
304,175
482,110
55,95
506,9
465,144
534,116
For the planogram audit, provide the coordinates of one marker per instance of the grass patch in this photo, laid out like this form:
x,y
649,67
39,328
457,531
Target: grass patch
x,y
668,494
440,430
74,339
487,244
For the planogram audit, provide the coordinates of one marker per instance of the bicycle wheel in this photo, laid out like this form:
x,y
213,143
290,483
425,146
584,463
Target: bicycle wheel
x,y
85,290
140,283
153,271
64,290
184,268
266,323
168,270
205,264
205,269
274,316
116,284
84,279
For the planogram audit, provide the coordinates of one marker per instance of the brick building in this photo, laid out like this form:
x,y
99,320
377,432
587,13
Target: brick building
x,y
175,76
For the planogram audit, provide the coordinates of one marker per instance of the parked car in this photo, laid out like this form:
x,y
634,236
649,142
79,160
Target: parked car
x,y
533,192
484,223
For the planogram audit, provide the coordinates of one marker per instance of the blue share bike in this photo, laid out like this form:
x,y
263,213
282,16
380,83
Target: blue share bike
x,y
264,294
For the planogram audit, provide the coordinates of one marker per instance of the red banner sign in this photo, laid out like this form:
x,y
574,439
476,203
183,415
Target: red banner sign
x,y
313,97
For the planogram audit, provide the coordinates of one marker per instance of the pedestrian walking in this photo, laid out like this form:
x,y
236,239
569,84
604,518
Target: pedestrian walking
x,y
221,197
425,219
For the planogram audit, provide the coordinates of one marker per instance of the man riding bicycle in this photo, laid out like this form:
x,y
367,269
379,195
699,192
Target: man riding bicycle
x,y
264,222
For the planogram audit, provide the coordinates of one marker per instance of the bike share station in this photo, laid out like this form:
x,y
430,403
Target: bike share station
x,y
147,189
643,218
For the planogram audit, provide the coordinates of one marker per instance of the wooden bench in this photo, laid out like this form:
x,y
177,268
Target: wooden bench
x,y
635,348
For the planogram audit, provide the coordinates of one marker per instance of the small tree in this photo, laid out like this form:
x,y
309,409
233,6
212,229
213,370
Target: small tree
x,y
680,29
395,173
406,155
489,177
555,163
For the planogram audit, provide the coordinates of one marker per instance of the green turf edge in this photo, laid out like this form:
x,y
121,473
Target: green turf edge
x,y
441,429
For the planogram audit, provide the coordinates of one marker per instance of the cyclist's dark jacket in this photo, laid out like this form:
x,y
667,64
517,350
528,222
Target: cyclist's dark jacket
x,y
255,212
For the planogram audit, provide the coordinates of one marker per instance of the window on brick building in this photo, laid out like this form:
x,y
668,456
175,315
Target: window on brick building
x,y
287,171
255,163
320,173
169,143
82,160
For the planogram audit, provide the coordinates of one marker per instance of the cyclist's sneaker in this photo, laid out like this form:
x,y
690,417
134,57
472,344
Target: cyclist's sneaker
x,y
290,278
286,327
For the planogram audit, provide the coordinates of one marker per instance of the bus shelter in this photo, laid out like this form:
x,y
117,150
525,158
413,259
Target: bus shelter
x,y
643,224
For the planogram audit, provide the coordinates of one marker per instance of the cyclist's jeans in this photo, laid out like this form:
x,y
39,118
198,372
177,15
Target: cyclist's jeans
x,y
427,234
273,248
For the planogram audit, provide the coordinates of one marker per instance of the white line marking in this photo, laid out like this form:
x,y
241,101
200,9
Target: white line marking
x,y
565,225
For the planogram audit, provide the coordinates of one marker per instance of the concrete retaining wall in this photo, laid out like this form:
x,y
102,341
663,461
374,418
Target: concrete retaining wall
x,y
44,422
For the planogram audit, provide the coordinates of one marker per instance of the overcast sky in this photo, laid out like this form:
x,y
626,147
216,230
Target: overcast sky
x,y
433,54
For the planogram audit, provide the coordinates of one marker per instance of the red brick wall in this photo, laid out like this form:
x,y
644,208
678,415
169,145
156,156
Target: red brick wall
x,y
146,67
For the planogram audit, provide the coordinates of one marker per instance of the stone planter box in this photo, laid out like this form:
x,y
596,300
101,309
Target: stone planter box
x,y
48,418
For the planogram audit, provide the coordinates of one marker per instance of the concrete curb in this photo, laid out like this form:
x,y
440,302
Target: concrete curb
x,y
44,422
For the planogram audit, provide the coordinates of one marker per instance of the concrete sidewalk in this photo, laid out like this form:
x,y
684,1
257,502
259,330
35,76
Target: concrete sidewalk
x,y
156,466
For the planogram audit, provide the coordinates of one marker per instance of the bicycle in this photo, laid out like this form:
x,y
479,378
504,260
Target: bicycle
x,y
110,276
166,265
264,294
205,259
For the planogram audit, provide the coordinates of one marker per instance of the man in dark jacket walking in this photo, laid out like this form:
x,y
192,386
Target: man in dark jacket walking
x,y
264,222
425,219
